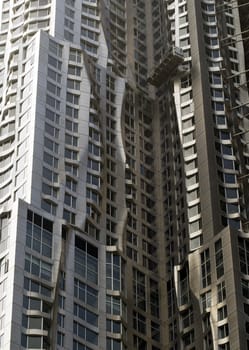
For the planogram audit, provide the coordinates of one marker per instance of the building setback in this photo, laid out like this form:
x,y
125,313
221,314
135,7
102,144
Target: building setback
x,y
124,167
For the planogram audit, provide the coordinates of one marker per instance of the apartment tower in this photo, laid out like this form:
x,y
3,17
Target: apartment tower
x,y
124,164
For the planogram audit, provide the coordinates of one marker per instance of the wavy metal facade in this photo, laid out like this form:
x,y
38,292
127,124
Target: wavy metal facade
x,y
123,175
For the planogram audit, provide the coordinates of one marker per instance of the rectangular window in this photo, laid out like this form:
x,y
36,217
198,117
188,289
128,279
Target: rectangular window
x,y
86,260
139,322
70,200
245,288
219,259
244,255
205,268
85,333
139,294
85,315
113,271
38,267
222,313
53,102
39,240
85,293
223,331
221,292
50,160
206,301
71,126
54,89
51,145
113,305
72,98
71,154
73,84
74,70
71,184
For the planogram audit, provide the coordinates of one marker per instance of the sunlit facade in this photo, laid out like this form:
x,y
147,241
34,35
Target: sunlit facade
x,y
123,175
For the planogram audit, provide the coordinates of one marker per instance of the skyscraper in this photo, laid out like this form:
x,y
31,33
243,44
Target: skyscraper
x,y
124,175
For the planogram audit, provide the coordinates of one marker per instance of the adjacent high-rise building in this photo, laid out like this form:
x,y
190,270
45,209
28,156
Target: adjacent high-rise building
x,y
124,169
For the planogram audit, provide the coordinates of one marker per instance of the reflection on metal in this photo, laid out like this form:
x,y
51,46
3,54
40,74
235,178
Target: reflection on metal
x,y
167,67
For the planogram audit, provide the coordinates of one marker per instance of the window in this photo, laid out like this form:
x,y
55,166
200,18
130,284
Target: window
x,y
244,255
113,326
70,200
95,135
111,210
73,84
72,112
245,288
75,56
72,169
222,313
221,292
53,102
52,116
54,89
32,341
113,344
71,140
72,98
223,331
188,338
93,196
113,305
78,346
85,333
219,259
74,70
38,267
71,126
93,164
48,206
68,24
85,315
154,298
205,300
139,343
60,320
184,286
39,239
218,106
51,130
187,318
69,12
205,268
52,61
139,322
96,150
60,338
50,175
50,160
139,294
51,145
37,287
54,75
93,179
215,78
113,271
71,154
55,48
86,260
71,184
85,293
225,346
